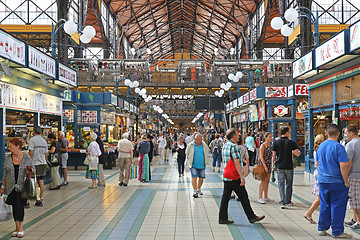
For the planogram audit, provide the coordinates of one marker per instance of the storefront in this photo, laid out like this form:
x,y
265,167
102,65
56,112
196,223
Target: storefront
x,y
333,84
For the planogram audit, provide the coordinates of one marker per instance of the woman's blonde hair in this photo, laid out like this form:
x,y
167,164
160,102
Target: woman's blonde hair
x,y
318,140
144,137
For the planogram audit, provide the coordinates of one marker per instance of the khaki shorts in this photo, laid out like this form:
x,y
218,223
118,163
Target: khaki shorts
x,y
41,170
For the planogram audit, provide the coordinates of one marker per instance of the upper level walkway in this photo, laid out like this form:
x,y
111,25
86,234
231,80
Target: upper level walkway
x,y
164,209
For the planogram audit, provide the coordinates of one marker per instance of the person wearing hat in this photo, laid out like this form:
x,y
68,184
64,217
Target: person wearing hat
x,y
94,151
125,148
38,151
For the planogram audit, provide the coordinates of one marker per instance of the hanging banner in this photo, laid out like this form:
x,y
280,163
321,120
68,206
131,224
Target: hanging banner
x,y
276,92
67,75
330,50
41,62
12,48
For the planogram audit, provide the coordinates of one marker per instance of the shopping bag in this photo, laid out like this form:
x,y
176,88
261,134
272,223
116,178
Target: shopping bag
x,y
230,171
28,191
37,189
5,210
134,172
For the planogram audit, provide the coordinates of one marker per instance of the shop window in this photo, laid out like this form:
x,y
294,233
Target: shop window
x,y
348,89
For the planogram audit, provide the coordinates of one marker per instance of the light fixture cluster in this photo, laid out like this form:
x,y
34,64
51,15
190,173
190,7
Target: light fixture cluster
x,y
131,84
224,87
133,51
158,109
164,115
86,34
290,16
198,116
235,77
216,51
167,118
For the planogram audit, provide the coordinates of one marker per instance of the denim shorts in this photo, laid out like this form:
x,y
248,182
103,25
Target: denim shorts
x,y
199,173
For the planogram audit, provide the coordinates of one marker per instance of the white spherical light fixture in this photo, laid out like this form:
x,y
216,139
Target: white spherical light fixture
x,y
70,27
137,90
136,84
276,23
89,32
84,39
239,75
286,30
231,76
221,91
222,85
236,79
291,15
148,51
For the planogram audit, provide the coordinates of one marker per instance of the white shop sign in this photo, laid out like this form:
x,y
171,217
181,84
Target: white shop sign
x,y
330,50
67,75
290,91
355,36
114,100
41,62
303,65
11,48
26,99
240,100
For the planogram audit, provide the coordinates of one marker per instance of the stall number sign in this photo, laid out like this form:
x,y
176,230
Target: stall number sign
x,y
253,94
330,50
246,97
281,110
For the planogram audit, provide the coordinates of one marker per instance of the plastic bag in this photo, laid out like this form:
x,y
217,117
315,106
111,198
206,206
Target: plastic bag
x,y
28,191
5,210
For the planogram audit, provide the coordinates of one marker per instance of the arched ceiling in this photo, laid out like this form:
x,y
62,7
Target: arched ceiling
x,y
193,26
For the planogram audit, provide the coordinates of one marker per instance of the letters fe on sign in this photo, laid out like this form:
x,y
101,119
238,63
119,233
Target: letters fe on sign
x,y
301,90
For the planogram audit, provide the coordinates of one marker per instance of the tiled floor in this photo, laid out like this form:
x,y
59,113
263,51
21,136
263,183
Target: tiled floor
x,y
163,209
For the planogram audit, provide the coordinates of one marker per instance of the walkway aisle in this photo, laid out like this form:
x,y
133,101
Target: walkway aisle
x,y
163,209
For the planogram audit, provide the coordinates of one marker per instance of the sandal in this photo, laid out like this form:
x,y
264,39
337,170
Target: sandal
x,y
309,219
14,234
20,234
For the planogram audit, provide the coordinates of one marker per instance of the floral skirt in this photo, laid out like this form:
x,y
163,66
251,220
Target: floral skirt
x,y
92,174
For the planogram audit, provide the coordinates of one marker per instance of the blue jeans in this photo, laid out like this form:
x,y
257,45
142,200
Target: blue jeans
x,y
333,201
285,177
216,159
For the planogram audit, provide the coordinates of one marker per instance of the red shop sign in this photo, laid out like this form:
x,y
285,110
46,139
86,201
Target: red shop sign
x,y
350,113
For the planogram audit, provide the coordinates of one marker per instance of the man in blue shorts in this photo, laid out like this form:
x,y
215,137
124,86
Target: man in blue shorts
x,y
197,153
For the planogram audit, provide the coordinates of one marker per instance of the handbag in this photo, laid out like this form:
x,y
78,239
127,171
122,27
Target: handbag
x,y
28,191
175,155
259,172
230,171
5,210
87,160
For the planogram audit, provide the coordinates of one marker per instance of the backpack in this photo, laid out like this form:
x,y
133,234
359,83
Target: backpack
x,y
216,148
258,140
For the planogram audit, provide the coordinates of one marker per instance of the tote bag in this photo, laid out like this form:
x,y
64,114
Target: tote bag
x,y
230,171
5,210
28,191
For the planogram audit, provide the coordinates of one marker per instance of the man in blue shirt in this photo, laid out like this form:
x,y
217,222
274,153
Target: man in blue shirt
x,y
333,184
197,156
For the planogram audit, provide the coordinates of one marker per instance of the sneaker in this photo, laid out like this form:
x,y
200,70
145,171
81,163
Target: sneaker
x,y
322,233
343,236
226,221
125,185
355,226
256,219
261,200
200,192
350,223
39,204
268,200
291,204
121,183
195,195
282,206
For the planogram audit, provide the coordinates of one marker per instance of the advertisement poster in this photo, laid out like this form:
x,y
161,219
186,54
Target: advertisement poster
x,y
243,117
11,48
67,75
126,105
262,112
253,113
68,115
131,108
303,65
120,103
302,105
276,92
330,50
355,36
41,62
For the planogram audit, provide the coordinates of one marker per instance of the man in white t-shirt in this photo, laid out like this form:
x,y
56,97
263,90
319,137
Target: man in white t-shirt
x,y
161,146
125,148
